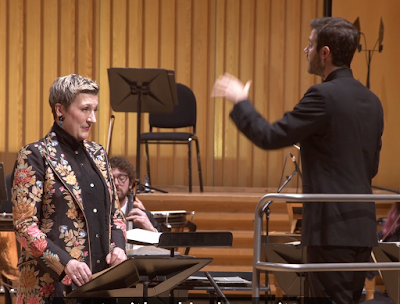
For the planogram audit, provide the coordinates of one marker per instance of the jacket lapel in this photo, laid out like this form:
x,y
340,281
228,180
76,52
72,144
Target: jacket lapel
x,y
60,166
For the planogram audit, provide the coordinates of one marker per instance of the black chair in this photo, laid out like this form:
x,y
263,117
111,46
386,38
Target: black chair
x,y
184,115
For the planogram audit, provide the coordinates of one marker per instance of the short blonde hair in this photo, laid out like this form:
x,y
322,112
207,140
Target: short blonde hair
x,y
65,89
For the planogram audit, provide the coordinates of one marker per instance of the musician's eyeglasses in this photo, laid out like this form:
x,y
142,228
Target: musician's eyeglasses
x,y
122,178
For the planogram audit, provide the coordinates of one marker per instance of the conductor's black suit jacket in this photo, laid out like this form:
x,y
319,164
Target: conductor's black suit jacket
x,y
339,124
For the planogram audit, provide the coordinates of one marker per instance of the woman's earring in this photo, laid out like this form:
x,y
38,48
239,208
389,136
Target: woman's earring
x,y
61,119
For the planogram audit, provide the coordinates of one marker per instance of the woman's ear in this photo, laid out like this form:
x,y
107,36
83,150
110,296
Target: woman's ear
x,y
59,109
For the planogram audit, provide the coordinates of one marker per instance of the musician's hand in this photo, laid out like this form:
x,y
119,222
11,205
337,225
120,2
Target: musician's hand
x,y
228,86
116,256
138,204
140,218
79,272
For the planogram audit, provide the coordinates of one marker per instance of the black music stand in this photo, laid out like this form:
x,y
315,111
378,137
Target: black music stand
x,y
142,276
3,187
142,90
292,283
172,240
389,252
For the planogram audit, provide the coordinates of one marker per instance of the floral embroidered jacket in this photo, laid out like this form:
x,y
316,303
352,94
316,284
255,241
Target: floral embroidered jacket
x,y
49,217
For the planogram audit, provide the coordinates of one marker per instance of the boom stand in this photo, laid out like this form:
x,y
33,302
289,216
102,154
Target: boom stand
x,y
142,90
266,209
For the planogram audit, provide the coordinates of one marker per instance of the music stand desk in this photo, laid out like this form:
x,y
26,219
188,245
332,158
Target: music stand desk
x,y
142,276
389,252
151,275
292,283
172,240
201,281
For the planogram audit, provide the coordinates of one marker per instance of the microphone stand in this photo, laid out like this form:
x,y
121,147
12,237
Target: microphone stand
x,y
142,189
266,209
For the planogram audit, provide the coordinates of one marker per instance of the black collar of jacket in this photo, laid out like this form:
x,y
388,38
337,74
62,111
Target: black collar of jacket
x,y
339,73
65,138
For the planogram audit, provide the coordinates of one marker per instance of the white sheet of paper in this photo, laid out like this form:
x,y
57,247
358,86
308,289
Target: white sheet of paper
x,y
143,236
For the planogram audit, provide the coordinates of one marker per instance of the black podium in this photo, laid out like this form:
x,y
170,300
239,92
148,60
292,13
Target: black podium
x,y
389,252
292,283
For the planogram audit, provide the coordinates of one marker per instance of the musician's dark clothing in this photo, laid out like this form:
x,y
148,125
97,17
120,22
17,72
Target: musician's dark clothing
x,y
339,124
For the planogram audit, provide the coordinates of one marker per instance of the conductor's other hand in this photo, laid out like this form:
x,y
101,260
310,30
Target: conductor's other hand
x,y
140,218
228,86
138,204
79,272
116,256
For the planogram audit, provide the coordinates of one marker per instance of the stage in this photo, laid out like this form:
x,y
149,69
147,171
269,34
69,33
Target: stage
x,y
228,209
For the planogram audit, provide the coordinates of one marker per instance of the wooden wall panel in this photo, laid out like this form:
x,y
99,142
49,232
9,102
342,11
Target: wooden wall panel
x,y
67,26
49,60
105,49
246,68
3,78
15,75
32,65
219,115
199,82
208,153
200,39
260,85
135,60
231,54
43,39
165,168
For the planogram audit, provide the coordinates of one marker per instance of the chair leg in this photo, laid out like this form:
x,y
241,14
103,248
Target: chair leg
x,y
199,165
148,162
190,163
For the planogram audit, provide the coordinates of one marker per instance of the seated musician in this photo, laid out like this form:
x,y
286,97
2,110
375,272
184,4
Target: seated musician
x,y
124,178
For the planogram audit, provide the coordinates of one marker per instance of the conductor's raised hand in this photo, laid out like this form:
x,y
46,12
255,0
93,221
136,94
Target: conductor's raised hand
x,y
116,256
228,86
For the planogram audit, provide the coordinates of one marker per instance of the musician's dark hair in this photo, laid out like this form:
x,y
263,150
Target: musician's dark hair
x,y
123,164
340,36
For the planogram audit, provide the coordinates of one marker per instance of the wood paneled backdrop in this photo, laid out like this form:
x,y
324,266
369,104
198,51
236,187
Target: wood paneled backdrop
x,y
262,40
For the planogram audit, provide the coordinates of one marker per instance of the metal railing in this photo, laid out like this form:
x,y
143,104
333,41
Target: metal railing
x,y
258,221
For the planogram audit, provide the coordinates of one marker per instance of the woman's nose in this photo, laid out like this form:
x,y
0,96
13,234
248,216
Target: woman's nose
x,y
92,117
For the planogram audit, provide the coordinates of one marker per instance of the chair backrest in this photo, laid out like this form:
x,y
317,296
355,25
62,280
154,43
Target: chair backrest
x,y
183,115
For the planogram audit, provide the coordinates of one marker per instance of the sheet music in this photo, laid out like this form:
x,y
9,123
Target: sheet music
x,y
232,280
143,236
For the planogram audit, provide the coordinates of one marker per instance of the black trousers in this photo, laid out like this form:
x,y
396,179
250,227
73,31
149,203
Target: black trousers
x,y
339,287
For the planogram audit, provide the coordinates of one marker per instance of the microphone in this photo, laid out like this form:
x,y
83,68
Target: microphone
x,y
295,164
